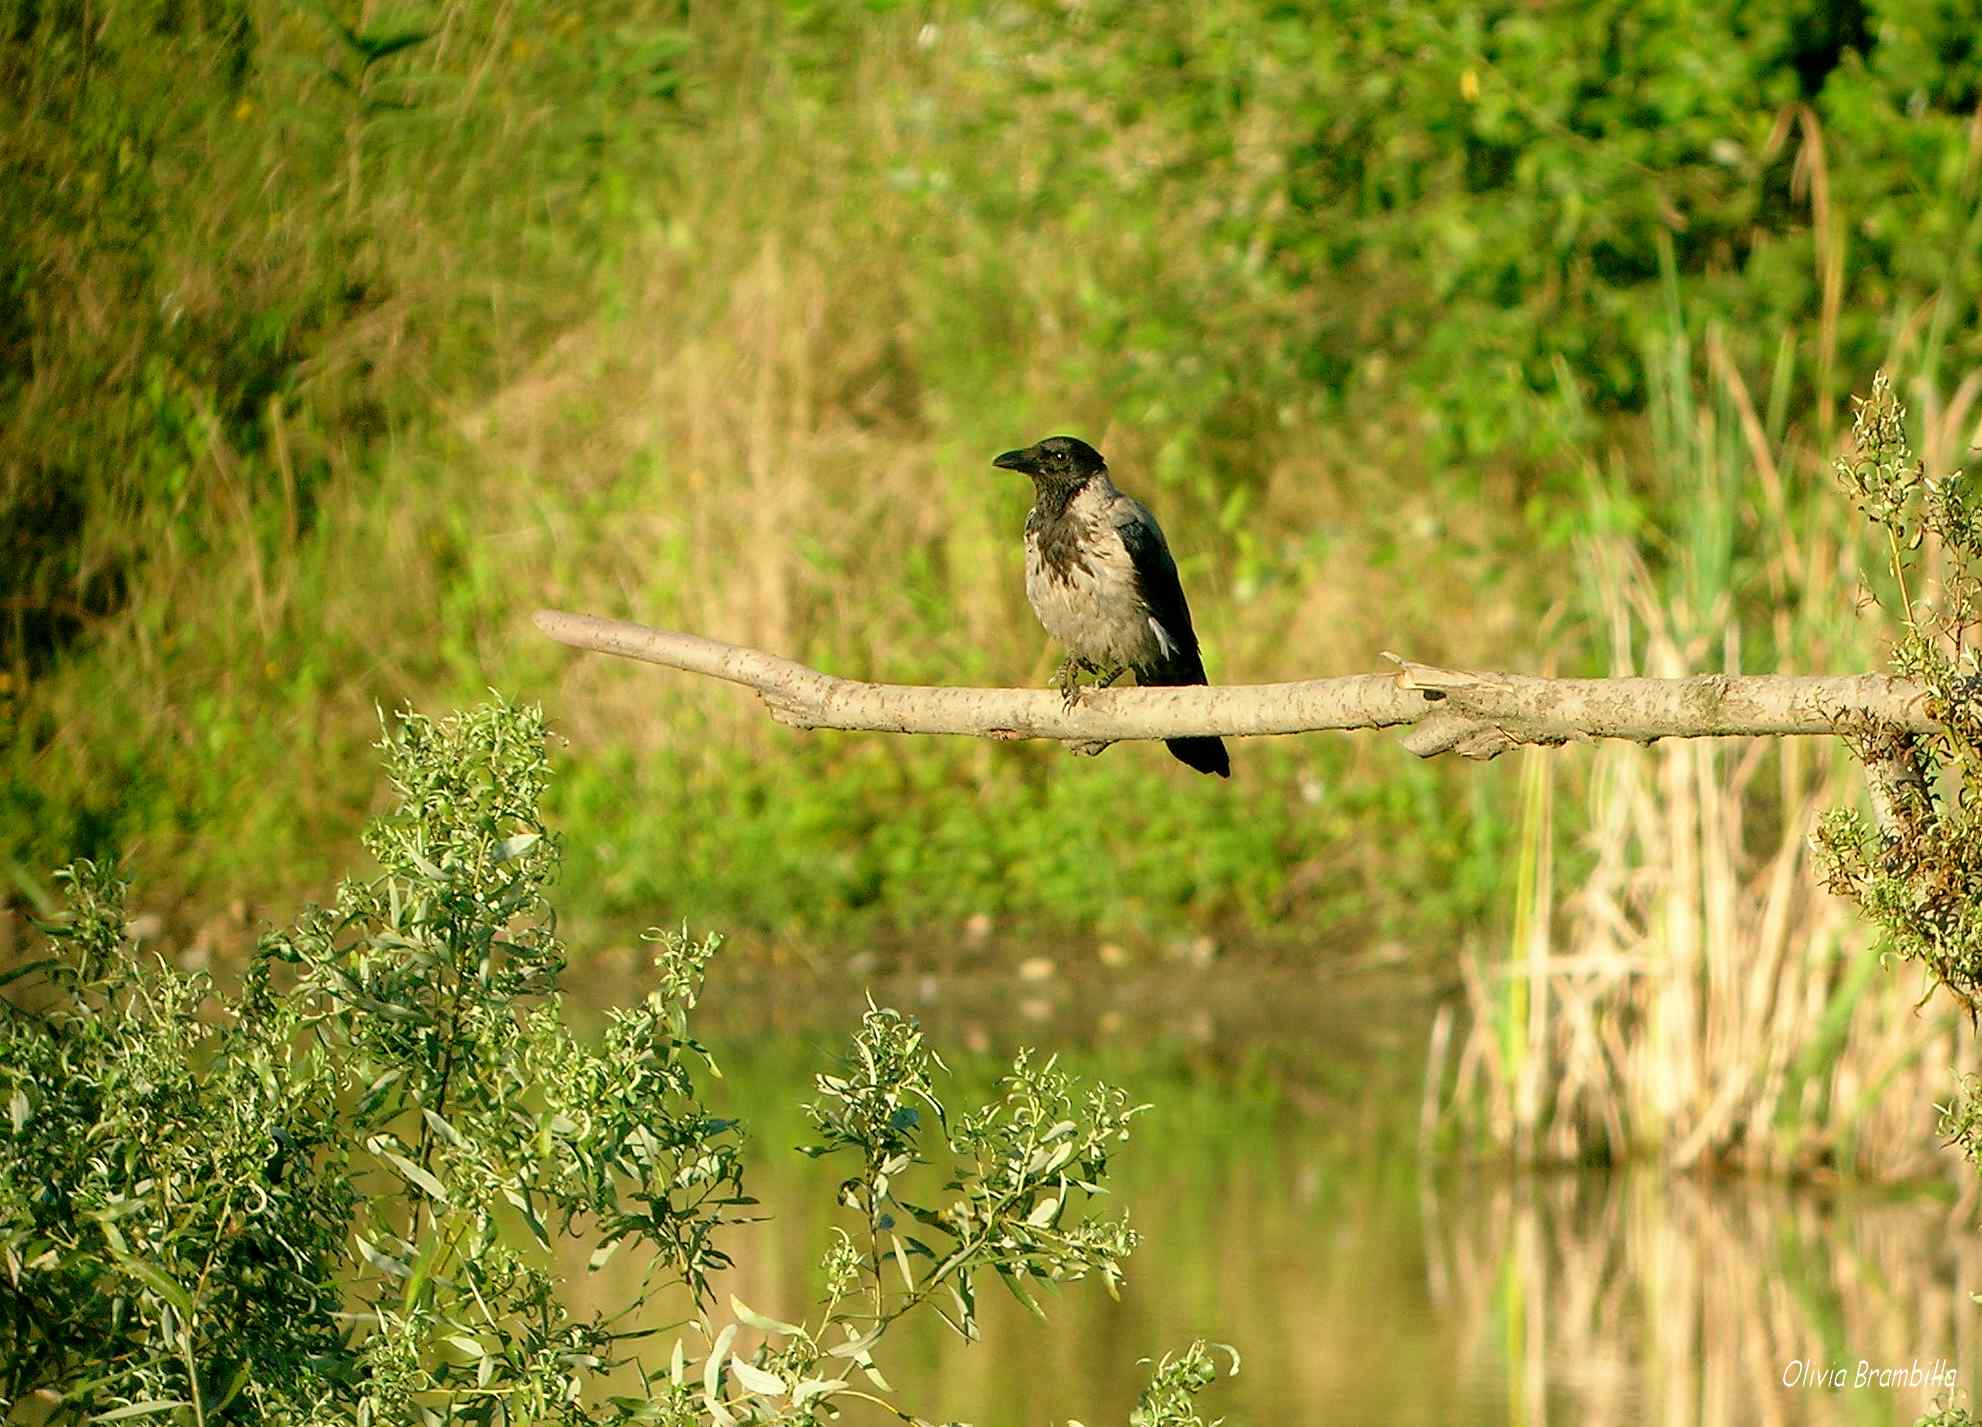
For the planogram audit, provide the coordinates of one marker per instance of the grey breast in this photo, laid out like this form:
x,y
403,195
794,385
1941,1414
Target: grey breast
x,y
1082,584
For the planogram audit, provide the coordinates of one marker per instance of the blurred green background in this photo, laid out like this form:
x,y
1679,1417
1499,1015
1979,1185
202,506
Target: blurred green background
x,y
334,339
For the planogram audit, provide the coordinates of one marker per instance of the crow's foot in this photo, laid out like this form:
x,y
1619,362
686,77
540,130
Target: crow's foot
x,y
1067,681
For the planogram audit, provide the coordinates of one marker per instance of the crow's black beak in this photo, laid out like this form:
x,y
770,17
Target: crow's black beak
x,y
1015,461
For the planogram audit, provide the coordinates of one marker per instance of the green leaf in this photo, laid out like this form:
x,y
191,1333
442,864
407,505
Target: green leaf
x,y
712,1370
755,1378
146,1408
443,1128
812,1387
529,1213
360,997
747,1314
379,1259
1050,1156
154,1278
376,47
965,1298
234,1386
419,1176
375,1093
856,1344
423,1268
512,848
46,963
1011,1282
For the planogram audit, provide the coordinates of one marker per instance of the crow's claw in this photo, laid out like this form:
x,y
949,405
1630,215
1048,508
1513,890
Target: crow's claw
x,y
1067,681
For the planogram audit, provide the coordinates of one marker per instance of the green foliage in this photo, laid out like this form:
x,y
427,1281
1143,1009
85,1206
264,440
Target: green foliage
x,y
212,211
1027,1166
1918,875
174,1194
1167,1401
321,317
856,830
340,1195
1502,185
1947,1415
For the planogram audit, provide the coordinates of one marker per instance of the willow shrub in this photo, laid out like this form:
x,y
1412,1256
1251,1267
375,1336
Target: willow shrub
x,y
335,1194
1917,875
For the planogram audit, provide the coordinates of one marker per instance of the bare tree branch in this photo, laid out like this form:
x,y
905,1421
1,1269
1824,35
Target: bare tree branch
x,y
1476,715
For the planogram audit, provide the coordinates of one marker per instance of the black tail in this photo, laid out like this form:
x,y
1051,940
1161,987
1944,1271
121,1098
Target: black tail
x,y
1206,755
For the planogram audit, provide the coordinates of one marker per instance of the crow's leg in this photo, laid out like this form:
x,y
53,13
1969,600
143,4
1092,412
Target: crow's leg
x,y
1067,681
1071,669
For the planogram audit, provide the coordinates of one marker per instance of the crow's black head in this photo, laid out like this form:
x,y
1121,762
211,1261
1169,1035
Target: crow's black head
x,y
1057,458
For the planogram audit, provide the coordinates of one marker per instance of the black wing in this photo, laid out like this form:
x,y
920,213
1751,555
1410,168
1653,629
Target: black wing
x,y
1162,594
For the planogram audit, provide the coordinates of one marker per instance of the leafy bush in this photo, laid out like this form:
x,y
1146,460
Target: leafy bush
x,y
336,1195
1917,874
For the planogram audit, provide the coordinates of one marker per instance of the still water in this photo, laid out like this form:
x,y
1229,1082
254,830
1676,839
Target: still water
x,y
1287,1208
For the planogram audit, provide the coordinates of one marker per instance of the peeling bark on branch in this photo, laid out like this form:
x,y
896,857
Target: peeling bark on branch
x,y
1476,715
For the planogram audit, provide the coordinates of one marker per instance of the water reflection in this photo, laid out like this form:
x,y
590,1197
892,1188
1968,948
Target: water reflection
x,y
1636,1298
1362,1287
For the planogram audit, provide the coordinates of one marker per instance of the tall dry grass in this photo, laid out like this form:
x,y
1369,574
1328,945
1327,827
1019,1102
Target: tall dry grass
x,y
1694,994
1698,995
